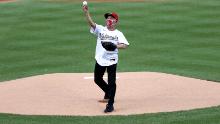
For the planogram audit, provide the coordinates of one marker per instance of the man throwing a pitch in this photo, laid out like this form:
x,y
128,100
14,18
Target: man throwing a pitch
x,y
109,40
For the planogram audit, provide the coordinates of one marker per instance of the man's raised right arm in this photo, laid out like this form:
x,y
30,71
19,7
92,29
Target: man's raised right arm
x,y
88,17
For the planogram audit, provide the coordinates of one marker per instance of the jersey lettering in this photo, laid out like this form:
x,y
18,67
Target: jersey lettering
x,y
104,36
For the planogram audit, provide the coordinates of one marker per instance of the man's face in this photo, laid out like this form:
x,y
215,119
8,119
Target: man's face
x,y
111,22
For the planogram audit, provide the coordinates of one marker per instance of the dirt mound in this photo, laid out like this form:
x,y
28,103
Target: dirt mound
x,y
77,94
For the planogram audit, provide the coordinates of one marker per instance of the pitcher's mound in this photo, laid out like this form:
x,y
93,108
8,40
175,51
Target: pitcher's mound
x,y
77,94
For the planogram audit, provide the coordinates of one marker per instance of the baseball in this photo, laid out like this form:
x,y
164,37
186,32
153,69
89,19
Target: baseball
x,y
84,3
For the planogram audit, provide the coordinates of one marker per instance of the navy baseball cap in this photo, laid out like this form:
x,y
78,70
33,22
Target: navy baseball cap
x,y
113,14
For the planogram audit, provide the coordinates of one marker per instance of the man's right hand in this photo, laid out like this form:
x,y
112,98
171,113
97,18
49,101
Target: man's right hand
x,y
85,8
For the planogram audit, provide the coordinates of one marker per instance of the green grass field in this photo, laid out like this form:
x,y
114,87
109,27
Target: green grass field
x,y
175,36
200,116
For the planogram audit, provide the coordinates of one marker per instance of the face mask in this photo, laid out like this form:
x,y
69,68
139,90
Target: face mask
x,y
109,22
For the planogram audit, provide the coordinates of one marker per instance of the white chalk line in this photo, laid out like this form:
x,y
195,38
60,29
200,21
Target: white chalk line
x,y
87,78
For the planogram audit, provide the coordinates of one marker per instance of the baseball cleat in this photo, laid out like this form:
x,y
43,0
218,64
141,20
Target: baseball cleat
x,y
109,108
